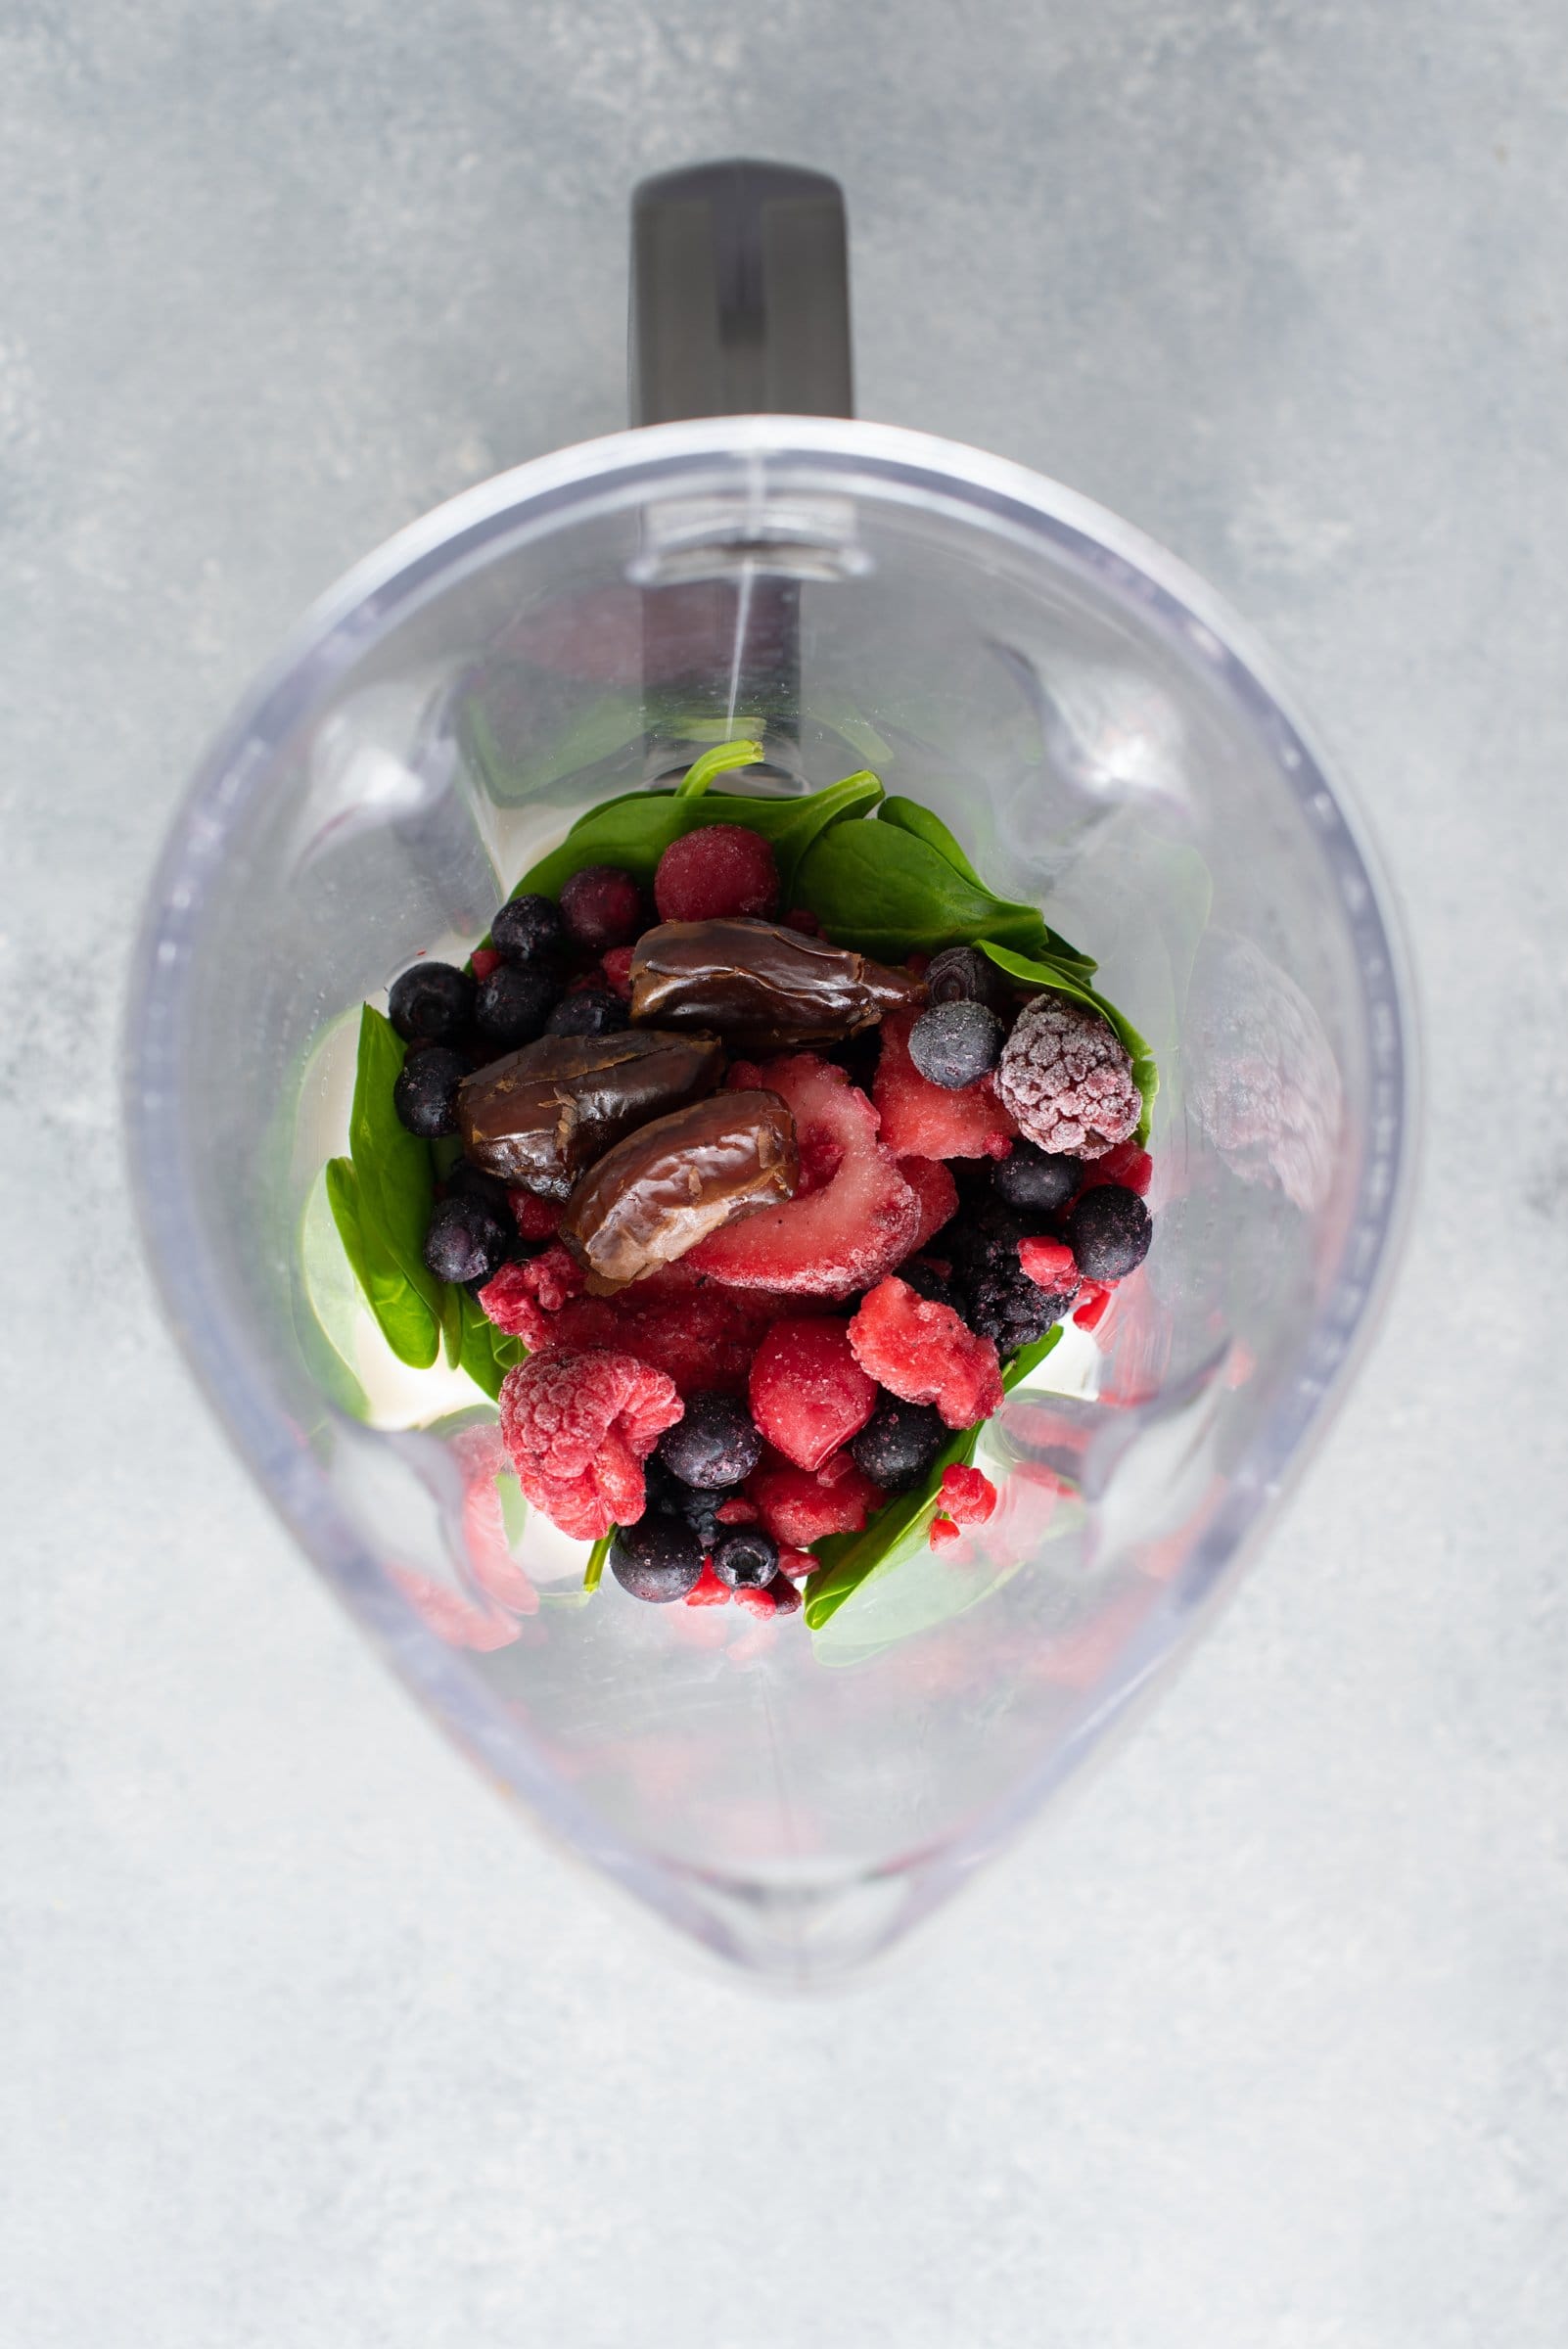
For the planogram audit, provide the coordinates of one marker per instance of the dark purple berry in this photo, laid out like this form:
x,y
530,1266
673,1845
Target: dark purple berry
x,y
465,1181
963,975
432,1002
1035,1180
515,1001
897,1444
927,1281
716,1444
659,1559
602,908
999,1301
467,1240
529,929
591,1011
747,1559
425,1095
1109,1233
786,1598
956,1044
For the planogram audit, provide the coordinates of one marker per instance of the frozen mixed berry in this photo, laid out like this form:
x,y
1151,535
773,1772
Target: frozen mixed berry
x,y
591,1011
1050,1265
1066,1077
529,929
715,1445
966,1495
537,1219
425,1095
486,959
747,1560
799,1509
1110,1231
577,1428
963,975
616,968
784,1595
602,906
468,1239
431,1003
1035,1179
515,1001
934,1282
667,1493
898,1443
659,1560
464,1180
922,1120
1001,1301
934,1186
956,1044
923,1353
809,1394
717,871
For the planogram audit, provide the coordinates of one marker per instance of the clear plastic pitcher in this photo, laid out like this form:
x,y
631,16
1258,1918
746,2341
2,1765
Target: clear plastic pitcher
x,y
1107,741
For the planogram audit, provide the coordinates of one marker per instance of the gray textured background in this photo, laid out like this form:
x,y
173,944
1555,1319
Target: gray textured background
x,y
302,2041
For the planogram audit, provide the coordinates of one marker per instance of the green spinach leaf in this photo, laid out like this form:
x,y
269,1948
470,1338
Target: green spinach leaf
x,y
405,1320
882,888
487,1353
717,761
1037,972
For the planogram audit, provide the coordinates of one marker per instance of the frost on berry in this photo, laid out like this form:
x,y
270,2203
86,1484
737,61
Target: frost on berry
x,y
923,1353
922,1120
1066,1077
577,1428
967,1494
809,1394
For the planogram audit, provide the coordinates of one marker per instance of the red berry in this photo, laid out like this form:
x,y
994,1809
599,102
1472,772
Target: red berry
x,y
535,1218
855,1217
577,1428
1093,1299
797,1564
923,1353
967,1496
485,960
756,1602
937,1193
601,906
1051,1265
717,871
708,1592
737,1511
617,969
943,1528
922,1120
809,1394
1127,1165
699,1333
520,1296
799,1509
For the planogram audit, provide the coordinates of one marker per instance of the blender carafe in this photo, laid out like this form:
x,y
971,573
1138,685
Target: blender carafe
x,y
1106,742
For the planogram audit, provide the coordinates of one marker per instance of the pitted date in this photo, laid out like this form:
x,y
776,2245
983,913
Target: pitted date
x,y
759,985
666,1186
542,1115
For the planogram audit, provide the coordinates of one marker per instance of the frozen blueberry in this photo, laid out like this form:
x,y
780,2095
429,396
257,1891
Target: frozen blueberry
x,y
963,975
659,1559
602,906
432,1003
1109,1233
956,1044
467,1240
515,1001
716,1444
1035,1179
667,1497
529,929
897,1444
465,1181
591,1011
747,1559
425,1095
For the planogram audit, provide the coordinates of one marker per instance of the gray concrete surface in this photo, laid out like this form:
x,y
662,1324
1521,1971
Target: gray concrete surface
x,y
303,2047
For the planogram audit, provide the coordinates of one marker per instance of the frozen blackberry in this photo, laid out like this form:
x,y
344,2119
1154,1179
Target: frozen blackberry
x,y
715,1445
425,1095
1035,1180
432,1002
591,1011
963,975
747,1559
602,906
467,1239
515,1001
529,929
1000,1300
928,1281
899,1442
1109,1233
956,1044
659,1559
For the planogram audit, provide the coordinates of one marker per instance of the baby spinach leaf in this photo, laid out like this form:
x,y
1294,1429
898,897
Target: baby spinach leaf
x,y
486,1353
1029,1358
883,889
381,1201
1041,973
403,1315
717,761
909,816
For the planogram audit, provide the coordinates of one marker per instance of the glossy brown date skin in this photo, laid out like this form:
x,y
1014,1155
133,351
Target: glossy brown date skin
x,y
666,1186
761,986
540,1117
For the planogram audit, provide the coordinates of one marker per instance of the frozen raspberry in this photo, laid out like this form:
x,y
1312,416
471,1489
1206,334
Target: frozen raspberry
x,y
485,960
718,871
937,1193
1127,1165
617,969
799,1509
601,906
702,1334
943,1528
921,1119
923,1353
809,1394
966,1495
709,1590
795,1564
577,1428
529,929
1090,1307
755,1601
1110,1229
523,1297
1050,1265
853,1217
737,1511
1066,1077
535,1218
